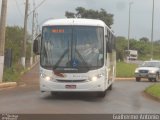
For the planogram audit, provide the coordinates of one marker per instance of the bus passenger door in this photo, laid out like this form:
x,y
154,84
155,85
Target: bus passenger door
x,y
108,59
109,67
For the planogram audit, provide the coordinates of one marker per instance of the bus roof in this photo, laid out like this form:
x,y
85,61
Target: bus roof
x,y
75,21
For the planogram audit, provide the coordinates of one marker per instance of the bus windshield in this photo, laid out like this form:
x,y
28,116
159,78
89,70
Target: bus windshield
x,y
73,47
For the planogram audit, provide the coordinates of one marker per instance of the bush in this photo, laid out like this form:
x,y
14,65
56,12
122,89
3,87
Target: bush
x,y
12,74
14,39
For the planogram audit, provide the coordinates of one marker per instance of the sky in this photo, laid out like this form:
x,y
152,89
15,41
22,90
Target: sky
x,y
141,14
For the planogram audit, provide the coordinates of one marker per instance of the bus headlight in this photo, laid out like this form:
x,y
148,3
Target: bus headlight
x,y
45,77
96,77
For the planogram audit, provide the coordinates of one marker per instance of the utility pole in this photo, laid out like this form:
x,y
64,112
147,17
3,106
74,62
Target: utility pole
x,y
2,36
34,29
152,31
33,33
37,25
23,59
130,3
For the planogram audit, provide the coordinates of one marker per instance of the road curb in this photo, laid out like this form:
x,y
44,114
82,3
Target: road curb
x,y
14,84
29,68
151,96
125,78
7,85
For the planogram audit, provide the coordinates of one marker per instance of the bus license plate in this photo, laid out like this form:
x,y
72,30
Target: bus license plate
x,y
71,86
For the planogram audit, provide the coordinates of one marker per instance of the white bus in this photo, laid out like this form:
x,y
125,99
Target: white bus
x,y
76,55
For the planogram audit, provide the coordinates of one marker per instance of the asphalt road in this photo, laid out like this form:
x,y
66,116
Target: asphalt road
x,y
125,97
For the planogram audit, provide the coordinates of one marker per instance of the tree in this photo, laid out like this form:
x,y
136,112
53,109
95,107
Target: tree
x,y
121,46
142,48
69,15
14,37
91,14
144,39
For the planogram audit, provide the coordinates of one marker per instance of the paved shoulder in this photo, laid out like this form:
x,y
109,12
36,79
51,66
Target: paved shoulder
x,y
8,85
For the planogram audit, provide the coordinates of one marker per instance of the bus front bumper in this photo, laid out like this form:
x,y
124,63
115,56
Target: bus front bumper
x,y
90,86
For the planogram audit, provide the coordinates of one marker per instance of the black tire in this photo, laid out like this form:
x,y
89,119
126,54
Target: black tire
x,y
138,79
157,78
54,94
110,87
150,79
101,94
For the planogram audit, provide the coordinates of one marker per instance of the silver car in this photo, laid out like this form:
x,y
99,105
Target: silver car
x,y
149,69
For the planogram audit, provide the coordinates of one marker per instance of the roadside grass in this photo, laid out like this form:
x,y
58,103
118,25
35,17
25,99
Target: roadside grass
x,y
13,74
125,69
154,90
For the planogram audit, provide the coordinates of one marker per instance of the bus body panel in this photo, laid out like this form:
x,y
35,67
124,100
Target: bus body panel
x,y
72,22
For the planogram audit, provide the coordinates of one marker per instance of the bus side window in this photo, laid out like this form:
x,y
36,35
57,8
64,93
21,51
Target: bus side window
x,y
106,39
109,42
114,43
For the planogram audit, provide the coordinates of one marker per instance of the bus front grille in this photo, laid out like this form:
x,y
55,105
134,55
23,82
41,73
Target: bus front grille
x,y
65,81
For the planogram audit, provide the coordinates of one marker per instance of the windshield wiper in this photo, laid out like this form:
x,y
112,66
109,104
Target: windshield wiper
x,y
61,58
84,62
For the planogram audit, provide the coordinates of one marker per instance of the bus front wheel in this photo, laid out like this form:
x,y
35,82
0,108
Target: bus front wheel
x,y
110,87
102,94
53,94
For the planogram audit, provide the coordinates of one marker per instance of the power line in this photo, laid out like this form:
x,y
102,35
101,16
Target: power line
x,y
34,9
18,8
40,4
37,6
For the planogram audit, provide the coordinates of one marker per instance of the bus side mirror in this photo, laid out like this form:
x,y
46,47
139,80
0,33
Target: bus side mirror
x,y
36,45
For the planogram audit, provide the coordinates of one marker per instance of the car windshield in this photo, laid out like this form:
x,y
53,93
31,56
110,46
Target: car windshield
x,y
72,47
151,64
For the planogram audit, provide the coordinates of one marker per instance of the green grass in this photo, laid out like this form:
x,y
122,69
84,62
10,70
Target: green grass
x,y
125,69
12,74
154,90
